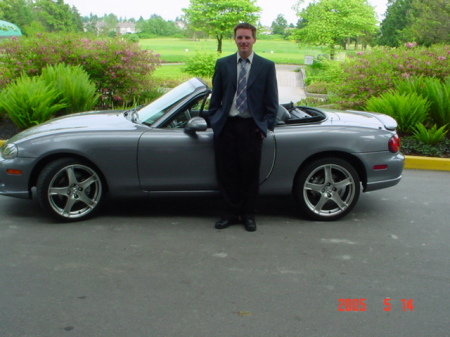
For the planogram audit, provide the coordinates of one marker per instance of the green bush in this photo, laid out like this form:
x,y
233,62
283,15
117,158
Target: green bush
x,y
407,109
372,73
201,65
437,92
120,69
430,136
74,86
30,101
131,37
324,70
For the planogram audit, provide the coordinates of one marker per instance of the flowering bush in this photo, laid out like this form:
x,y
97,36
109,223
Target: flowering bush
x,y
119,68
372,73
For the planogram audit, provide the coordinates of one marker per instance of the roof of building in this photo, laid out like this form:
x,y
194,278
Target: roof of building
x,y
9,29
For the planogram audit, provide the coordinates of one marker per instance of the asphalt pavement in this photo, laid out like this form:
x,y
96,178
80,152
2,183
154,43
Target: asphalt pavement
x,y
290,83
158,268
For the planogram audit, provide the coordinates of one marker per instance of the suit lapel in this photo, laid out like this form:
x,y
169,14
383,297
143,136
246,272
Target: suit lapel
x,y
232,69
254,70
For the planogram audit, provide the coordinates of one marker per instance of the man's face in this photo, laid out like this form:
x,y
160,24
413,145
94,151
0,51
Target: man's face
x,y
244,41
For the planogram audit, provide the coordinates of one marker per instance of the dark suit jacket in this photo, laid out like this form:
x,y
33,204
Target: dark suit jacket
x,y
262,92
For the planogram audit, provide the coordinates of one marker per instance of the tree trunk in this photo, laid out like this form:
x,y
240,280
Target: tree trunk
x,y
219,43
332,52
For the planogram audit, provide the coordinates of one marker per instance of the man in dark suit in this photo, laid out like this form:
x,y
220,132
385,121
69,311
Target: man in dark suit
x,y
243,107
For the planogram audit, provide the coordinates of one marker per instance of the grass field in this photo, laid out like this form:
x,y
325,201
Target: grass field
x,y
279,51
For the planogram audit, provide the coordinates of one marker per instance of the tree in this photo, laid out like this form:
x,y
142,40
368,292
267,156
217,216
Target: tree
x,y
156,25
429,21
109,24
56,16
17,12
392,30
218,17
329,22
279,25
426,22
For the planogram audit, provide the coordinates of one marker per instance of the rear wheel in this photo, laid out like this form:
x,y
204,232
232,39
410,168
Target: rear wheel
x,y
69,189
327,189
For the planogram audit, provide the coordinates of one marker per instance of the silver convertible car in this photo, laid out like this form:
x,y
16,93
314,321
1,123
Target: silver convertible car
x,y
325,158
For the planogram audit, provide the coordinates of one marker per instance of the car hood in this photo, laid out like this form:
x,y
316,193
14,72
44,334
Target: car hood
x,y
361,118
91,121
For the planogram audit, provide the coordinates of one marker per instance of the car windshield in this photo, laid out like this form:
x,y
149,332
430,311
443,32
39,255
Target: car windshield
x,y
155,110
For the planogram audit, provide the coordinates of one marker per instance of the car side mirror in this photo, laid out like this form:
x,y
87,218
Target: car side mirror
x,y
196,124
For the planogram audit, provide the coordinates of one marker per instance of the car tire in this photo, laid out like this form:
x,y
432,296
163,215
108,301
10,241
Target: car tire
x,y
327,189
69,189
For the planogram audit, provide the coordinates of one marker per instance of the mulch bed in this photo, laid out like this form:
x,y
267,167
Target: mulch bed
x,y
7,128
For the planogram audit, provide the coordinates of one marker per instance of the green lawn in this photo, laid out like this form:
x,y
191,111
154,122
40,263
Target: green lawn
x,y
279,51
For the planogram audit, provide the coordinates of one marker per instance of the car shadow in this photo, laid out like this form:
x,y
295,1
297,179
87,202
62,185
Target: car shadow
x,y
192,206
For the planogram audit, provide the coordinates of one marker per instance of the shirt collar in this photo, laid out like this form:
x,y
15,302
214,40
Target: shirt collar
x,y
250,58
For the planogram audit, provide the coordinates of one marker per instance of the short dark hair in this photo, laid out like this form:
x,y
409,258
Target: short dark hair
x,y
245,25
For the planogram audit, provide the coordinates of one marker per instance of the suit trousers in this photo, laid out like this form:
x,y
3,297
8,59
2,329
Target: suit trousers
x,y
238,150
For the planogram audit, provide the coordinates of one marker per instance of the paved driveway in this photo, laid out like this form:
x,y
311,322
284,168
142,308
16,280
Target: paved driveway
x,y
158,268
289,84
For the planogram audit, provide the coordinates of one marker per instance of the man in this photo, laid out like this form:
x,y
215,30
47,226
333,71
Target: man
x,y
243,107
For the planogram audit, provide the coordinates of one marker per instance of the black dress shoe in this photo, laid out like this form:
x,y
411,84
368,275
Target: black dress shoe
x,y
225,222
250,225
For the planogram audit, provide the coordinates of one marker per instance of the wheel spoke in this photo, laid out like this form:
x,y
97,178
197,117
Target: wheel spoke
x,y
61,191
318,207
71,175
314,187
328,174
68,206
338,201
343,183
86,200
88,182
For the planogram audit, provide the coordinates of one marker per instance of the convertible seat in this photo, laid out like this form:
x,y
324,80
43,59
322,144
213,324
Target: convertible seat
x,y
282,115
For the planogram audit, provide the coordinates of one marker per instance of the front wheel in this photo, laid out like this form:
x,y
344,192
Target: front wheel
x,y
327,189
69,190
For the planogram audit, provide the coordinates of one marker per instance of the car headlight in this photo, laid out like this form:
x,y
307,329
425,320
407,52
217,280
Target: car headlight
x,y
9,151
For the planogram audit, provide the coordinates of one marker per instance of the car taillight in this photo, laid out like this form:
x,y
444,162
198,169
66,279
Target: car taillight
x,y
394,144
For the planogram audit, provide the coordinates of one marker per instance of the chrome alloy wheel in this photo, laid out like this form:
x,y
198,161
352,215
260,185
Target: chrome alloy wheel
x,y
74,191
69,190
330,189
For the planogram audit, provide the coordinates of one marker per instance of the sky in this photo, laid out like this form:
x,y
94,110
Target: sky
x,y
171,9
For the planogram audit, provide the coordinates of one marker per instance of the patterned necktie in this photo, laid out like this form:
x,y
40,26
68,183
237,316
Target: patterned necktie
x,y
241,98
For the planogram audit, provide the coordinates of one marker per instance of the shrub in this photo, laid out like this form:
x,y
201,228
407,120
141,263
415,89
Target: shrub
x,y
201,65
30,101
437,92
372,73
319,87
324,70
120,69
411,146
407,109
313,101
430,136
74,86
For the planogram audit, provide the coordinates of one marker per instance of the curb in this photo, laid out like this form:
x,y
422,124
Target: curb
x,y
411,162
427,163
